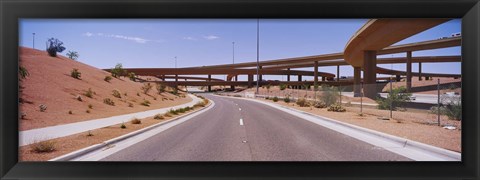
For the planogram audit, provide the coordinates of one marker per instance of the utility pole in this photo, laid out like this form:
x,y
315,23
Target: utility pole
x,y
258,44
175,61
33,40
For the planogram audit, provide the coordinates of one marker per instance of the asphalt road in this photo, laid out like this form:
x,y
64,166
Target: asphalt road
x,y
264,134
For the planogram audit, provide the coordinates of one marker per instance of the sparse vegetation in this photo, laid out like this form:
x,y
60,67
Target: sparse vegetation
x,y
160,88
118,71
23,115
73,55
283,87
109,101
136,121
286,99
107,78
145,103
275,99
451,106
175,91
168,114
89,93
158,116
89,133
131,76
319,104
90,106
172,111
123,126
146,88
336,108
330,95
23,72
44,146
70,112
302,102
130,104
42,107
53,46
87,111
396,99
116,93
75,73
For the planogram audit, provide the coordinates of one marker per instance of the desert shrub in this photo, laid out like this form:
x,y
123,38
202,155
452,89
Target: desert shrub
x,y
145,103
172,111
75,73
118,71
329,95
319,104
451,106
275,99
158,116
396,99
302,102
181,110
136,121
90,106
116,93
123,126
87,111
286,99
160,88
109,101
23,72
237,95
42,107
146,88
53,46
89,93
175,91
70,112
266,97
336,108
23,115
44,146
130,104
168,114
79,98
107,78
89,133
73,55
131,76
283,87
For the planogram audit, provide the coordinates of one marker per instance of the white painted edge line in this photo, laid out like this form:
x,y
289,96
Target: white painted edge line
x,y
106,148
241,122
29,136
405,147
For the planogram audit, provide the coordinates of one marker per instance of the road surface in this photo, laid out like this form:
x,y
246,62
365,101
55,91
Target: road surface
x,y
241,130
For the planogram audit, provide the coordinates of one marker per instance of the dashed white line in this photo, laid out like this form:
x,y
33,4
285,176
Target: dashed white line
x,y
241,122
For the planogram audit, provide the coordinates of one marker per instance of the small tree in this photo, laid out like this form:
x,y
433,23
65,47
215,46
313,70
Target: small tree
x,y
146,88
161,88
397,98
131,76
329,95
53,46
118,71
73,55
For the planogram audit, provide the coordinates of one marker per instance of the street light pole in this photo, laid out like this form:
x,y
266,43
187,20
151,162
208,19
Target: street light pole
x,y
33,40
258,44
175,61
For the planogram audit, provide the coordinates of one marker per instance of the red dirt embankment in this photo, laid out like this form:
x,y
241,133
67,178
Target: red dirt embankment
x,y
49,83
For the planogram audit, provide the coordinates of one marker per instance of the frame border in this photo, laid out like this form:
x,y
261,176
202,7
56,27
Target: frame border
x,y
13,11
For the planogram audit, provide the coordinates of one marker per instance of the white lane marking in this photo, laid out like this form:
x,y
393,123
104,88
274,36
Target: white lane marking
x,y
241,122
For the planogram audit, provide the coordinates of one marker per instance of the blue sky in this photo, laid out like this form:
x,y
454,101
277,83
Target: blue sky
x,y
195,42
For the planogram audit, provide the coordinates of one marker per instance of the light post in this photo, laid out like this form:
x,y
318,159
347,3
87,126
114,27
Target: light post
x,y
175,61
258,44
33,40
233,57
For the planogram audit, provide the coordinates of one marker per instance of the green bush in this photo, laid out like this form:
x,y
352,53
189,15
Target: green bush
x,y
329,95
44,146
275,99
146,88
319,104
109,101
336,108
283,87
131,76
302,102
107,78
118,71
53,46
397,99
174,112
451,107
73,55
286,99
123,126
75,73
158,116
116,93
175,91
160,88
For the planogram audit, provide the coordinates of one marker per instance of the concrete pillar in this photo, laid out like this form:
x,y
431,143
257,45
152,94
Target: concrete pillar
x,y
338,73
315,75
260,75
250,80
356,81
176,81
398,78
299,80
419,71
209,80
370,74
409,71
323,78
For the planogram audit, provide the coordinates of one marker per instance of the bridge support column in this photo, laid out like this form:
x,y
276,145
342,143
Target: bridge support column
x,y
260,75
209,80
398,78
299,80
409,71
250,80
370,74
356,81
338,73
176,81
323,78
315,75
419,71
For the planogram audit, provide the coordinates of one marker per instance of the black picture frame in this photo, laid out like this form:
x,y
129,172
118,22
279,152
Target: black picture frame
x,y
11,11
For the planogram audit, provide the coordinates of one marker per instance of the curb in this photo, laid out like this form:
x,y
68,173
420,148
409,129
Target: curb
x,y
106,143
405,142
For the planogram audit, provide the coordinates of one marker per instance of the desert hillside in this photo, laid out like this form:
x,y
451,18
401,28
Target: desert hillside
x,y
50,83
